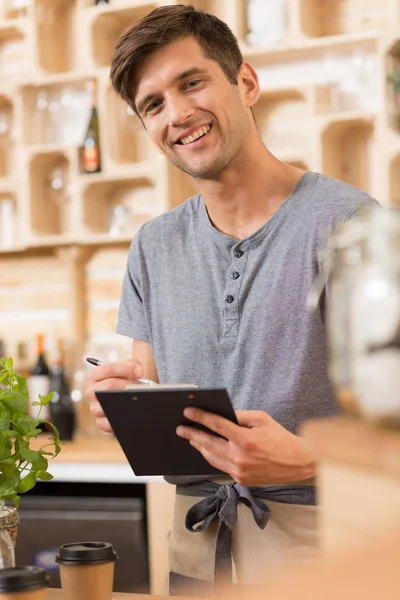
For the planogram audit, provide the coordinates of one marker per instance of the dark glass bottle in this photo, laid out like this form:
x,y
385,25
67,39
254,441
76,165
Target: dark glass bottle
x,y
62,409
98,2
39,381
90,151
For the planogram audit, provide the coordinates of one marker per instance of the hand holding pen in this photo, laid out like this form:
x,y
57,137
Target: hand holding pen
x,y
96,362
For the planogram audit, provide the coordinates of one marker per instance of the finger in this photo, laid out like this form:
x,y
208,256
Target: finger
x,y
105,385
96,410
224,427
130,369
216,461
252,418
104,425
205,440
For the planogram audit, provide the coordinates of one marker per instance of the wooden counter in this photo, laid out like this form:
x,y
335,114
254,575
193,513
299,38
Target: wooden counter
x,y
102,448
358,480
58,595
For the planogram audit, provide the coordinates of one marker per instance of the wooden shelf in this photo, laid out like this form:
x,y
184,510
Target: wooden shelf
x,y
284,119
346,151
14,51
305,115
55,31
49,177
310,47
61,112
7,141
127,140
320,18
109,23
119,207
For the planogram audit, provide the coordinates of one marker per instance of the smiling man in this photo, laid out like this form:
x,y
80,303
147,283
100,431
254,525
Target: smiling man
x,y
215,293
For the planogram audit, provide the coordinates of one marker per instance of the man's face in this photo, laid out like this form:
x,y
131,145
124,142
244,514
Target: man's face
x,y
192,113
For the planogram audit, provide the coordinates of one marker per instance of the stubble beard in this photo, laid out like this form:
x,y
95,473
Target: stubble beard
x,y
205,171
209,169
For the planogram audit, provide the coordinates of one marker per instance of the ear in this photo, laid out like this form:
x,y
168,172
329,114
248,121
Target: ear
x,y
249,85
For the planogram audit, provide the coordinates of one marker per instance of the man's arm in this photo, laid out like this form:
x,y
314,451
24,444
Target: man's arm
x,y
143,353
116,376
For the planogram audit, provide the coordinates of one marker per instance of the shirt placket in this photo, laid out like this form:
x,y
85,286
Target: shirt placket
x,y
234,278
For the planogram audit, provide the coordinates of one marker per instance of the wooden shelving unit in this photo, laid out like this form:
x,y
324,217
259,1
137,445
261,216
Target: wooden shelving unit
x,y
325,106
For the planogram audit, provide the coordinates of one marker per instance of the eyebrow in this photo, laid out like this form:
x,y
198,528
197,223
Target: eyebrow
x,y
180,77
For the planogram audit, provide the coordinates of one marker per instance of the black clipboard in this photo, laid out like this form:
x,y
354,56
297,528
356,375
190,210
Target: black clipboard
x,y
144,422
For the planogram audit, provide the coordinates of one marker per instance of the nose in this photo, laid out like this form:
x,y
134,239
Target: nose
x,y
179,109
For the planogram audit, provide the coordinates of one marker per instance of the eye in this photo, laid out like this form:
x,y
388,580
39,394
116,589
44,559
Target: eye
x,y
153,106
192,83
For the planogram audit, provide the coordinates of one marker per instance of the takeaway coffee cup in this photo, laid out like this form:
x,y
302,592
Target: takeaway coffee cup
x,y
23,583
86,570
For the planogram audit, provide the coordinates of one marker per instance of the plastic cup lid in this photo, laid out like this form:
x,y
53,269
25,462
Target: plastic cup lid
x,y
18,579
86,553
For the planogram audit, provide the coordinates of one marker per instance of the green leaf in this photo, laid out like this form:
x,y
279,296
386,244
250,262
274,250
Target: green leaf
x,y
27,483
13,400
55,440
44,475
42,463
8,467
4,453
25,424
31,456
22,385
44,400
10,485
17,428
5,421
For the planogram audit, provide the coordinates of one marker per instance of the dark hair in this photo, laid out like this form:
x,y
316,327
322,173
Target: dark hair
x,y
165,25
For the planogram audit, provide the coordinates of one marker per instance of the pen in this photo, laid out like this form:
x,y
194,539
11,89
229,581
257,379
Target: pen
x,y
96,362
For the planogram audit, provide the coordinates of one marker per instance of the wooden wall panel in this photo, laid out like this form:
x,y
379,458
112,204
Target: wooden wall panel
x,y
35,296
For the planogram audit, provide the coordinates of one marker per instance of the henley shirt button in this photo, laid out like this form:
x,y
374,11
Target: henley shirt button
x,y
229,299
235,275
238,253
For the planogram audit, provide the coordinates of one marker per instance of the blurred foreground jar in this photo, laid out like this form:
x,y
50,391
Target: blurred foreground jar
x,y
8,532
375,320
340,261
362,276
23,583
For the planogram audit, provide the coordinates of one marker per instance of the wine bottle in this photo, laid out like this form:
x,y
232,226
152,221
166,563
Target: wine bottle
x,y
62,409
39,382
21,360
90,151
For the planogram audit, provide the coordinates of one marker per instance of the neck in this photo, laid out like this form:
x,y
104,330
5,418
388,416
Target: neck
x,y
249,191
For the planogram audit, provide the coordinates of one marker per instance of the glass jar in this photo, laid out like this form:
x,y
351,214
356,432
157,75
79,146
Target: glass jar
x,y
362,276
343,258
7,551
375,319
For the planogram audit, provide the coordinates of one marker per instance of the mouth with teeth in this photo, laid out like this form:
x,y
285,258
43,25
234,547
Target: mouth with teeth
x,y
196,135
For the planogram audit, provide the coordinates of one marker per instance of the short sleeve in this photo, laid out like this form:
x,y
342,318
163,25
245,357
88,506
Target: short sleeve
x,y
131,315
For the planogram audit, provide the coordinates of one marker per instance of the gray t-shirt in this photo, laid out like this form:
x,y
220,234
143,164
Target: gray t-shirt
x,y
228,313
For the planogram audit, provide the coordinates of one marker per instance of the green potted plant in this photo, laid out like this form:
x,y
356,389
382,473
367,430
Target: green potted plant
x,y
20,465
